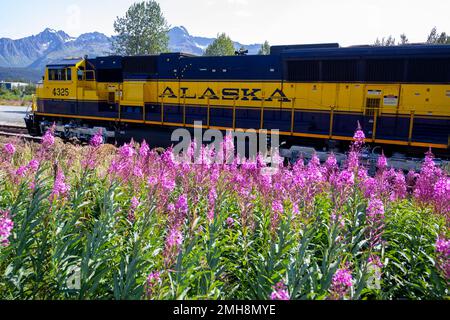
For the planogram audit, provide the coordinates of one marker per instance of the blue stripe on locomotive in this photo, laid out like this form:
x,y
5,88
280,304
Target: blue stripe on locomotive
x,y
389,127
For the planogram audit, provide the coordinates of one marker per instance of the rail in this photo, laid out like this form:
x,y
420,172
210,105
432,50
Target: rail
x,y
17,132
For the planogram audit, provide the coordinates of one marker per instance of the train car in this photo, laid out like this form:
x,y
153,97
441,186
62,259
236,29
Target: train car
x,y
313,94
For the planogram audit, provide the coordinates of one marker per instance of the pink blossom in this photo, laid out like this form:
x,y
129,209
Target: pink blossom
x,y
126,151
182,204
9,149
134,203
6,226
48,140
443,256
60,188
144,150
97,139
375,209
382,162
137,172
175,238
359,137
22,171
375,221
152,181
429,175
376,261
341,283
441,195
33,165
230,222
168,183
443,246
280,292
153,280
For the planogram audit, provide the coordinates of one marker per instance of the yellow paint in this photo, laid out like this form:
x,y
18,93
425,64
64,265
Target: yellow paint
x,y
419,100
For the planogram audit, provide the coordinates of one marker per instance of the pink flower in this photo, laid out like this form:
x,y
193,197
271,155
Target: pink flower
x,y
443,256
153,280
441,195
48,140
382,162
331,164
429,175
280,292
127,151
97,139
230,222
9,149
375,209
60,188
134,203
175,238
21,172
277,206
182,204
443,246
375,222
168,183
341,283
6,226
33,165
359,137
137,172
152,181
375,260
144,150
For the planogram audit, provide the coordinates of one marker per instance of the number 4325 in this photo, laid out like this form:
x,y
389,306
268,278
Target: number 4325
x,y
61,92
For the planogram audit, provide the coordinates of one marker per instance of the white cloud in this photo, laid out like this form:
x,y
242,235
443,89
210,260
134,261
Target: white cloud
x,y
238,2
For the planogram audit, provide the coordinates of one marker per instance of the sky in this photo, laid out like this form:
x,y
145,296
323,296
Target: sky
x,y
348,22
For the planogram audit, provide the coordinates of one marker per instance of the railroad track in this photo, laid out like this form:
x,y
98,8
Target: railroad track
x,y
17,131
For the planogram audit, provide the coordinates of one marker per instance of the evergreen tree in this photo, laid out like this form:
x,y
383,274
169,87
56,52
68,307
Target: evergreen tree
x,y
222,46
403,39
438,38
143,30
265,49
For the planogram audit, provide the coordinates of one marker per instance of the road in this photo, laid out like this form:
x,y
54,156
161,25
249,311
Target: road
x,y
12,116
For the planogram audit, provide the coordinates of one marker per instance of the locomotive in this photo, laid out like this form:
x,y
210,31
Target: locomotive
x,y
315,95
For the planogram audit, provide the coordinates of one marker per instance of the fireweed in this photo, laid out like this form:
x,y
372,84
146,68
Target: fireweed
x,y
212,229
6,226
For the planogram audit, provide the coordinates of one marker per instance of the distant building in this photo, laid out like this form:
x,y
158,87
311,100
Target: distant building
x,y
12,85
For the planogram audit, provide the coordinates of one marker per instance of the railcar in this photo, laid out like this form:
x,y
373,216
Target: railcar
x,y
313,94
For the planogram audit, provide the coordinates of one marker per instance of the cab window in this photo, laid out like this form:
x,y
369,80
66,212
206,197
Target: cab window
x,y
60,74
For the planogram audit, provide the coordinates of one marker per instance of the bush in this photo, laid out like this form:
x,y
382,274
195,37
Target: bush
x,y
97,222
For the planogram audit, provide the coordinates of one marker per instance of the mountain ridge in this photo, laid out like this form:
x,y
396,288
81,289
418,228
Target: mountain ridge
x,y
29,55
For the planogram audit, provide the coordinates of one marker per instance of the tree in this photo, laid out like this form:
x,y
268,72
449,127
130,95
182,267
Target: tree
x,y
438,38
222,46
143,30
390,41
265,49
403,39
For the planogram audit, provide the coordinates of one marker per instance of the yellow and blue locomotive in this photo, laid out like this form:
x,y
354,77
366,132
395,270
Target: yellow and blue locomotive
x,y
313,94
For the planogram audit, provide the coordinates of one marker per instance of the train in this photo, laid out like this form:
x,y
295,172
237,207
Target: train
x,y
314,95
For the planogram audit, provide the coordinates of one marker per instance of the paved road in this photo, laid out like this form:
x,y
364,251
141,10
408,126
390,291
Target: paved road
x,y
12,116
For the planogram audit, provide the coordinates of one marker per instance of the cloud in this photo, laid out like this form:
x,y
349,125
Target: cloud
x,y
238,2
243,13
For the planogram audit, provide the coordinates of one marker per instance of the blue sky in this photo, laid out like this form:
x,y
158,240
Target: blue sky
x,y
348,22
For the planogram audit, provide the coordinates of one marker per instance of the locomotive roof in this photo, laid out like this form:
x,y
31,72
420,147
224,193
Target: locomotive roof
x,y
65,63
367,51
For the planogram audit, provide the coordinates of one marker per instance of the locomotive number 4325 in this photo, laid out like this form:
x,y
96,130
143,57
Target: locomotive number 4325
x,y
61,92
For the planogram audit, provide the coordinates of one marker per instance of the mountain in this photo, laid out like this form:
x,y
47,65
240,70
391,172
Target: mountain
x,y
182,41
25,58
